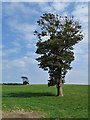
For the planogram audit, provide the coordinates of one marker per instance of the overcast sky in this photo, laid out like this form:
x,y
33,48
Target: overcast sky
x,y
19,20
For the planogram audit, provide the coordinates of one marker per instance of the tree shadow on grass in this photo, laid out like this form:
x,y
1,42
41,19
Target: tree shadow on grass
x,y
28,94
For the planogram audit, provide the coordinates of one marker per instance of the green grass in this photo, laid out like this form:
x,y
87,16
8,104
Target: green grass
x,y
41,98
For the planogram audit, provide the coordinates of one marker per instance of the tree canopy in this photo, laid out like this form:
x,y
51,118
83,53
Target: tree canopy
x,y
57,51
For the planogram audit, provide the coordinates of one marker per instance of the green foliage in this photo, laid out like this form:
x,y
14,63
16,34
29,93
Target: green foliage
x,y
41,98
56,52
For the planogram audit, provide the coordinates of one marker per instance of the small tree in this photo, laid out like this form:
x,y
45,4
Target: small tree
x,y
57,51
25,80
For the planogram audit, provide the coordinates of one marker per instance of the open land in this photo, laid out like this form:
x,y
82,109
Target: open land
x,y
40,101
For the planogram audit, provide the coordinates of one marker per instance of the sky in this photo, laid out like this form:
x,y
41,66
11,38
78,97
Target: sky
x,y
19,21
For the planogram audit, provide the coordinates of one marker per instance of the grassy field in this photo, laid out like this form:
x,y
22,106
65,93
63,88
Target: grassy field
x,y
41,98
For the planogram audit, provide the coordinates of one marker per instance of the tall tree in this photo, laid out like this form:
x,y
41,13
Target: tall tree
x,y
57,51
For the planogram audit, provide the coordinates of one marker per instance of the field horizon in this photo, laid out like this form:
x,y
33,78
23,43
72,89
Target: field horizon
x,y
42,99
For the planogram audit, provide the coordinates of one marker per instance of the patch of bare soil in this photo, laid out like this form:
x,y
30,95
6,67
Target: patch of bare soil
x,y
21,114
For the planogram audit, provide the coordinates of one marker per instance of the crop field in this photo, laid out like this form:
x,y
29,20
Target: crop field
x,y
43,99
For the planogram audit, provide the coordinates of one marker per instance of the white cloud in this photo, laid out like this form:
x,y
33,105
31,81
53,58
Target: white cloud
x,y
19,13
12,7
11,51
45,0
16,43
1,46
53,7
81,53
24,0
22,62
60,6
77,77
0,54
81,13
69,1
26,32
23,27
14,50
46,7
45,38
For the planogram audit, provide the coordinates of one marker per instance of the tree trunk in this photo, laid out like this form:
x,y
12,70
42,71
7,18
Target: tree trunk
x,y
59,89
